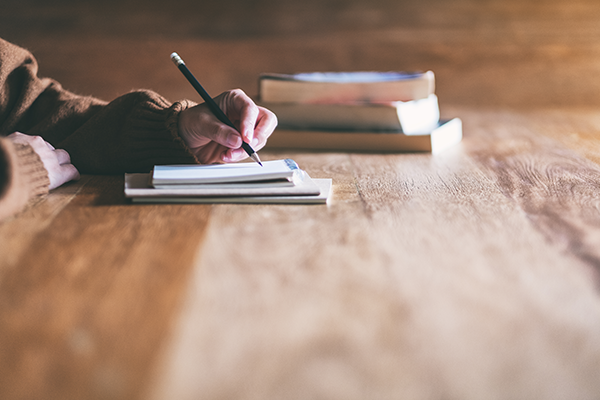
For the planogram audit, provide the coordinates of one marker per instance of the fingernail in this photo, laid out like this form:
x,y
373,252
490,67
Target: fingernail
x,y
224,157
254,142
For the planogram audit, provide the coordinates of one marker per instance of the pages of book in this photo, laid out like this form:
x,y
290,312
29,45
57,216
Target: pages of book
x,y
138,185
410,117
223,173
442,137
322,197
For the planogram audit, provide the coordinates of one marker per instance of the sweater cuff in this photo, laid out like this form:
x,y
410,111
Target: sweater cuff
x,y
32,169
151,136
173,121
26,178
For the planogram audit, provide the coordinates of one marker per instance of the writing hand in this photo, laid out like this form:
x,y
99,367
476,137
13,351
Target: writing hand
x,y
212,141
56,161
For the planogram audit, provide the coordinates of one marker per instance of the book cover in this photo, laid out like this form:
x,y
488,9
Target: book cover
x,y
344,87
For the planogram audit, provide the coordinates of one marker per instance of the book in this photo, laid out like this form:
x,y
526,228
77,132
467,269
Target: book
x,y
192,174
443,136
345,87
410,117
309,191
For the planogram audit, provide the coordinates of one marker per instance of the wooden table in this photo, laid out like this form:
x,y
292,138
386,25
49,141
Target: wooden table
x,y
469,274
472,274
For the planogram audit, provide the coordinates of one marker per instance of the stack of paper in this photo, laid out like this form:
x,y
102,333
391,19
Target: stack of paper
x,y
277,181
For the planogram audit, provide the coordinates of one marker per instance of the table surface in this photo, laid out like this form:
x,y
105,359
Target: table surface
x,y
470,274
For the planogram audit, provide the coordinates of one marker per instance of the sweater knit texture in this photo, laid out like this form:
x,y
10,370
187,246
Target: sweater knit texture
x,y
132,133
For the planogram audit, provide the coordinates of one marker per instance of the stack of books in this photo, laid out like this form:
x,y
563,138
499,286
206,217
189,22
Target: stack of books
x,y
357,111
275,182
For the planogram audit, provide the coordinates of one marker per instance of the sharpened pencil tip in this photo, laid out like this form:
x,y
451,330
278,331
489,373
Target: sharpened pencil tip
x,y
255,157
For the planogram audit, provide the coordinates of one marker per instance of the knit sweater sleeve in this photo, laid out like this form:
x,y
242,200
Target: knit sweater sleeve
x,y
22,177
129,134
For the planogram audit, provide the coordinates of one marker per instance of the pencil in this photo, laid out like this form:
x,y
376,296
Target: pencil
x,y
214,108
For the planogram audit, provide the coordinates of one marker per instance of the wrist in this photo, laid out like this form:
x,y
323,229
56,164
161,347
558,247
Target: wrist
x,y
176,124
178,113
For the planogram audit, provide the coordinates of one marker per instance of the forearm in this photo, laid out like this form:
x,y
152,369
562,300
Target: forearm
x,y
131,133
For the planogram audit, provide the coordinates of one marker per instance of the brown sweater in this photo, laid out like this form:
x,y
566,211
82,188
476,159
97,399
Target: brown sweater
x,y
130,134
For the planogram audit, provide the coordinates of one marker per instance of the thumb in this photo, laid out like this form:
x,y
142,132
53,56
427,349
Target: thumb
x,y
224,135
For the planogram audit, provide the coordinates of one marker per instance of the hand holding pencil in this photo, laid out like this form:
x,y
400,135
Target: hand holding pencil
x,y
242,128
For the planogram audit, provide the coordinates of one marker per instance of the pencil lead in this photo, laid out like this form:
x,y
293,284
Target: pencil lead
x,y
255,157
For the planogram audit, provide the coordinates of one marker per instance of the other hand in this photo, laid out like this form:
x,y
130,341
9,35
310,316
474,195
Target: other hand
x,y
212,141
56,161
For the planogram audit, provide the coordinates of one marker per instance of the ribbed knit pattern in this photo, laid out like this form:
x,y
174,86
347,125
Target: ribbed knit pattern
x,y
25,177
132,133
31,168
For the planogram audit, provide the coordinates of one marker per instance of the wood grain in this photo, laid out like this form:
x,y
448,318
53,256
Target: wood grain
x,y
423,279
517,53
84,308
555,187
472,274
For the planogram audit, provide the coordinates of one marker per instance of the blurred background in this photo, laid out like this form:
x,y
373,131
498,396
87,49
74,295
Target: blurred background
x,y
485,53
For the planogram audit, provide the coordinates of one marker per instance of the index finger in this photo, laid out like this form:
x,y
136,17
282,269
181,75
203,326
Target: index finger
x,y
248,113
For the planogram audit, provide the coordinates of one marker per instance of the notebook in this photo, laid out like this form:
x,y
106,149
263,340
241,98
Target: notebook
x,y
192,174
276,181
306,191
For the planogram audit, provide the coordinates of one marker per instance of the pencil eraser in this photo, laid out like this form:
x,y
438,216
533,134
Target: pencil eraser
x,y
176,59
